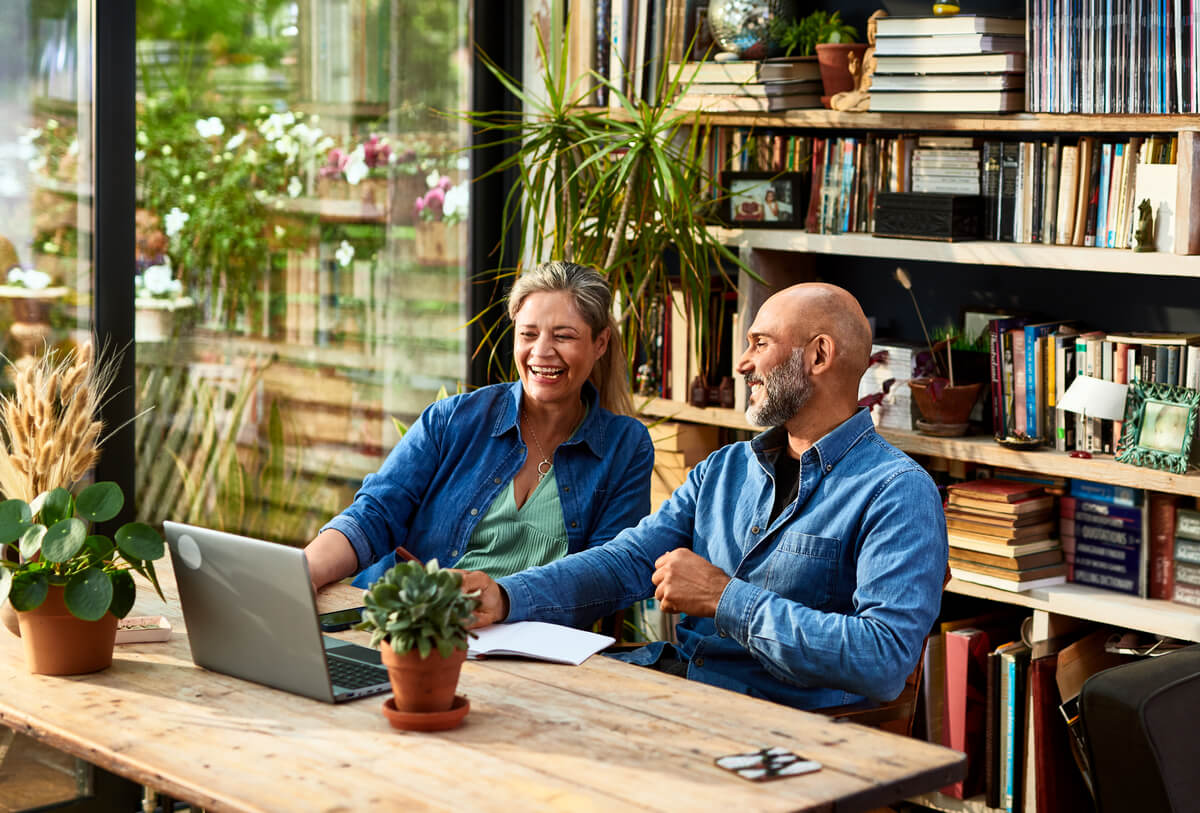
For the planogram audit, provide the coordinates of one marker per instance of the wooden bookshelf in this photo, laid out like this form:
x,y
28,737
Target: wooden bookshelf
x,y
974,252
976,449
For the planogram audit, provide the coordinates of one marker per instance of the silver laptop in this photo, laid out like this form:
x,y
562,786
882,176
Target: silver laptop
x,y
250,613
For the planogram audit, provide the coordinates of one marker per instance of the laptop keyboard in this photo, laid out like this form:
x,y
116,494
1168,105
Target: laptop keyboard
x,y
352,674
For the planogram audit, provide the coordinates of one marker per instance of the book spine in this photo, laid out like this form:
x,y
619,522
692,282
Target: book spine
x,y
1020,382
1009,172
1008,731
990,187
1162,545
1099,230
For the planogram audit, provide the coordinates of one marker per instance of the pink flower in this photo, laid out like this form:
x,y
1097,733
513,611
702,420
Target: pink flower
x,y
335,163
418,205
444,183
434,199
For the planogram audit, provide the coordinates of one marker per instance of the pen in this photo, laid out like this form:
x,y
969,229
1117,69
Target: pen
x,y
401,553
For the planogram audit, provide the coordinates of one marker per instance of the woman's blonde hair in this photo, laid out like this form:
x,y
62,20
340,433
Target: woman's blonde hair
x,y
593,298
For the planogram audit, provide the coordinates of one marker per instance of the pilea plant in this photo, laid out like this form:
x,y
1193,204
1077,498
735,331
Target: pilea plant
x,y
51,537
421,607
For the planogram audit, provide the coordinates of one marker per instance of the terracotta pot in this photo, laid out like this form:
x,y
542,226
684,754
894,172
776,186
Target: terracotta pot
x,y
422,684
8,618
833,60
58,643
952,405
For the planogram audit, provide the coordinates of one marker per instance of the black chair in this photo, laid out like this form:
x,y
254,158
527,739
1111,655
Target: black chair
x,y
1139,724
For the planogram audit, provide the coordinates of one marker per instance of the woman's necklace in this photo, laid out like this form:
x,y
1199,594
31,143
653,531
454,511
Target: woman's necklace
x,y
544,467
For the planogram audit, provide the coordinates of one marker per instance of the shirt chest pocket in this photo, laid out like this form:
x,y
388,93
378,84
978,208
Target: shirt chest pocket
x,y
803,568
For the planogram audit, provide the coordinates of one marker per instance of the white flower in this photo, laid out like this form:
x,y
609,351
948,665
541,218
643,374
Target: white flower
x,y
175,220
236,141
52,124
50,247
455,204
185,180
344,254
294,187
280,231
73,147
201,175
157,280
31,135
139,156
463,163
28,279
356,165
166,149
142,138
431,180
252,156
210,127
190,200
305,134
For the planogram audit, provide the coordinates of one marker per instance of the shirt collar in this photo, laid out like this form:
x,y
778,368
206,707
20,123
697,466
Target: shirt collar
x,y
831,448
590,433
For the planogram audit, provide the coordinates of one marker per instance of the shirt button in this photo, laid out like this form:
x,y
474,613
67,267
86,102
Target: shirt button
x,y
496,480
699,661
574,523
566,488
474,511
755,529
454,553
720,635
828,468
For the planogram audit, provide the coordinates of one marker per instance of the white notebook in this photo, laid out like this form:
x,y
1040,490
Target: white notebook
x,y
538,640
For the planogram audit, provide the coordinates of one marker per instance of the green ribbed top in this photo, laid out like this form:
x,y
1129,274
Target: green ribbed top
x,y
509,539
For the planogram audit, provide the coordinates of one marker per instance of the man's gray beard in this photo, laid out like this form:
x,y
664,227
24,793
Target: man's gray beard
x,y
786,390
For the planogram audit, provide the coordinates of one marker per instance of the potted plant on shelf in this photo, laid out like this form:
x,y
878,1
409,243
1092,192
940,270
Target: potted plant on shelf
x,y
418,615
67,584
440,213
830,38
160,307
945,403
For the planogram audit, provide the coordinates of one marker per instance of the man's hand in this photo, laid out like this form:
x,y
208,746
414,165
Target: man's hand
x,y
688,583
493,603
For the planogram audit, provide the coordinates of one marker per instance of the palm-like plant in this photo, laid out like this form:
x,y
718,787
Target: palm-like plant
x,y
625,192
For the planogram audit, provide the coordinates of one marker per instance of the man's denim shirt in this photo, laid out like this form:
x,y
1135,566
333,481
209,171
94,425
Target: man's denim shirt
x,y
828,604
440,479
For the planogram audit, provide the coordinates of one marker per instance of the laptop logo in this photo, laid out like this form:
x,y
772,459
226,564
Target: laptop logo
x,y
189,552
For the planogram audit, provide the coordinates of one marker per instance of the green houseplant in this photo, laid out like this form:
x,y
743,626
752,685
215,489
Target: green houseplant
x,y
68,584
418,615
830,38
622,189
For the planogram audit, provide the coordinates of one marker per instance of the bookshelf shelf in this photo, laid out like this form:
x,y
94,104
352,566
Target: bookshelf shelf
x,y
975,252
1094,604
979,449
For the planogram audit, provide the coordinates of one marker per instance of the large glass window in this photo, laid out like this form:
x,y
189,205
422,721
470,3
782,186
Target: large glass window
x,y
301,243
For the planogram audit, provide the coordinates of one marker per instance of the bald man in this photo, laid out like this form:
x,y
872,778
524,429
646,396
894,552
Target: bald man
x,y
807,563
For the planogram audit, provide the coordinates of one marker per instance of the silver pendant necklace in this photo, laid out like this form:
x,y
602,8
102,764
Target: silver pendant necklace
x,y
544,467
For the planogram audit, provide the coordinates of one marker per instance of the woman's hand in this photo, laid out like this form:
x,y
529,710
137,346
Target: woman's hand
x,y
493,601
331,557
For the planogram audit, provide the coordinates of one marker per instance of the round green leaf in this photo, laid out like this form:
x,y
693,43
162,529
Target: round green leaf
x,y
98,547
14,519
28,590
64,539
137,540
57,506
31,541
88,594
100,502
124,592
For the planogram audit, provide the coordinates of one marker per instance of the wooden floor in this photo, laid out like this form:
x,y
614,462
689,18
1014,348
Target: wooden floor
x,y
33,775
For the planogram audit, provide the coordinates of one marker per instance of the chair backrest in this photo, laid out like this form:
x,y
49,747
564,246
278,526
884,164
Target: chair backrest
x,y
1139,728
896,715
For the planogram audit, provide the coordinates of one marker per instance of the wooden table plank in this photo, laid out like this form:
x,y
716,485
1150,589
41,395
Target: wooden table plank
x,y
539,737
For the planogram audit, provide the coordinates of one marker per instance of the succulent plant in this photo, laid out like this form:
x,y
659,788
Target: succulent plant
x,y
421,607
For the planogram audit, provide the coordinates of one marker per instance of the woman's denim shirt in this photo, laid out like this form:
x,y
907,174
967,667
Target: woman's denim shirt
x,y
439,480
828,604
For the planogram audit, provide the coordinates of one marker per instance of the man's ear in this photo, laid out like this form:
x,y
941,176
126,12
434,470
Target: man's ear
x,y
824,348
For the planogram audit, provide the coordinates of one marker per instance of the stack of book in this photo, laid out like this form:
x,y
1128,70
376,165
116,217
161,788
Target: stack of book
x,y
1002,535
1186,588
748,85
941,64
946,164
1102,531
887,377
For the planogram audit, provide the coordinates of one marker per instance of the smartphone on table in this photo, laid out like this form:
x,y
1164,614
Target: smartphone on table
x,y
339,620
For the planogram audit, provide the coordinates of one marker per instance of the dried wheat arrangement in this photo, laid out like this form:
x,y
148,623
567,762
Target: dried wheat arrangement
x,y
50,425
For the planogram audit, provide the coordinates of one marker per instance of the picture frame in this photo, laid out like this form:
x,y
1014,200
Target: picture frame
x,y
765,200
1159,426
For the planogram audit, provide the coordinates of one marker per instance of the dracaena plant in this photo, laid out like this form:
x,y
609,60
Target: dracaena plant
x,y
421,607
52,537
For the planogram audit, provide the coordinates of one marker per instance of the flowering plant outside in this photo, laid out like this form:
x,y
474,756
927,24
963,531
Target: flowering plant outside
x,y
444,200
28,278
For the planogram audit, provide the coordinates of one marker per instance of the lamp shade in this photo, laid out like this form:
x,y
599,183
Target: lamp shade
x,y
1095,398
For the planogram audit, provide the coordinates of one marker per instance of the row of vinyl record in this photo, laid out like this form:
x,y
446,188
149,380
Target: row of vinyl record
x,y
1113,56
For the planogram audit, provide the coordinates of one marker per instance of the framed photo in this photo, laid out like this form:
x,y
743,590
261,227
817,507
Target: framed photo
x,y
1160,422
765,200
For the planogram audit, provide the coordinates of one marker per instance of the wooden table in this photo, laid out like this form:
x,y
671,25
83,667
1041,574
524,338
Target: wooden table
x,y
602,736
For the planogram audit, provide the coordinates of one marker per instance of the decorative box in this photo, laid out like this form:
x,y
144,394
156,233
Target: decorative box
x,y
929,216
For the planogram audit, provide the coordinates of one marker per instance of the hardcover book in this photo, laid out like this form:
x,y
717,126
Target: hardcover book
x,y
1028,505
996,490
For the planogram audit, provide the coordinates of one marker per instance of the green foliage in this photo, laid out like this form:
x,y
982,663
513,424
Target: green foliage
x,y
418,607
800,37
611,191
54,547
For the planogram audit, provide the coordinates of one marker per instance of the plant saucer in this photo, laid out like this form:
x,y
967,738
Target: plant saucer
x,y
427,720
1016,442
